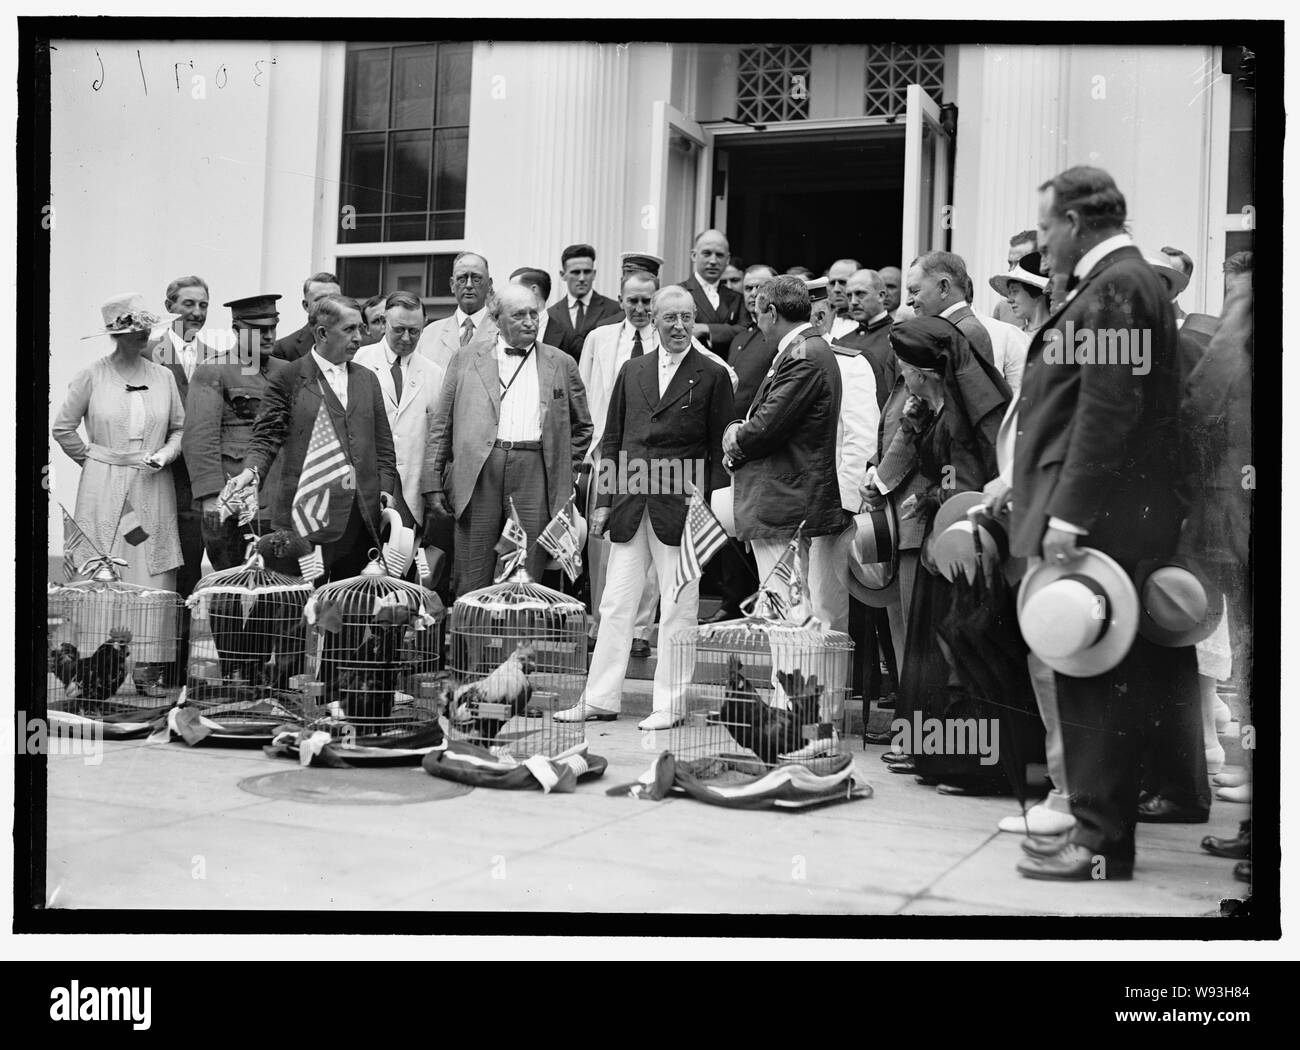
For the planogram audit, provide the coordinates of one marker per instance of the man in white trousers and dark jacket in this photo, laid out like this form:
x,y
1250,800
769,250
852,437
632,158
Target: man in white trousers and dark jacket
x,y
663,429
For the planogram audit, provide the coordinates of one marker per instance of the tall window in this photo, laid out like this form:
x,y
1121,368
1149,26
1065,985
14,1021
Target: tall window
x,y
405,142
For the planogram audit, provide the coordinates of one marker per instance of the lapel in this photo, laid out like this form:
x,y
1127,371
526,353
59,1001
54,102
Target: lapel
x,y
546,367
378,363
683,381
414,372
702,306
485,363
648,379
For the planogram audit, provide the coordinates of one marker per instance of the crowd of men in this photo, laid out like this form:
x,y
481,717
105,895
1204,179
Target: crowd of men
x,y
784,392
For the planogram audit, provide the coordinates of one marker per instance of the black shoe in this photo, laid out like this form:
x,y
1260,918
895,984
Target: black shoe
x,y
1159,810
725,612
925,781
1233,849
1044,845
907,766
892,757
1241,871
878,738
640,648
887,703
1076,863
973,788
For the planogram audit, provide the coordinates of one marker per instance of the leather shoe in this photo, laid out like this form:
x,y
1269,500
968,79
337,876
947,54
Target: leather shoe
x,y
640,648
877,738
584,713
725,612
661,720
1241,871
1159,810
907,766
974,789
1044,845
1234,849
891,758
1076,863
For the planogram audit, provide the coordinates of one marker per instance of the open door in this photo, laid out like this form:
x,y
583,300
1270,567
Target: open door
x,y
681,187
927,181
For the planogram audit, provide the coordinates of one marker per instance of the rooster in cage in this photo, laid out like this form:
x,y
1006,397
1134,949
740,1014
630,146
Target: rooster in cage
x,y
97,676
483,707
365,677
263,648
768,731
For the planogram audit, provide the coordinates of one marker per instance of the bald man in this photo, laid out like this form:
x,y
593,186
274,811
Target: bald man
x,y
719,312
837,294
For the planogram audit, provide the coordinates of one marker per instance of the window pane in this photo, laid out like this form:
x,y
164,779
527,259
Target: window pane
x,y
358,278
440,274
409,172
404,227
366,101
1239,241
453,84
363,229
413,86
447,227
451,160
363,173
405,273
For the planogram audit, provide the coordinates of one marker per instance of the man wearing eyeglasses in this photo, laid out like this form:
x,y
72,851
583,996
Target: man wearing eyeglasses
x,y
410,383
472,286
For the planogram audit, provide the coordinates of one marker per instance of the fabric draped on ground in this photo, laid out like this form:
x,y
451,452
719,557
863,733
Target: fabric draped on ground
x,y
471,764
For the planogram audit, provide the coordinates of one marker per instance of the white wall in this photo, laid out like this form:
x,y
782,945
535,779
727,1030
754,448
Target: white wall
x,y
150,182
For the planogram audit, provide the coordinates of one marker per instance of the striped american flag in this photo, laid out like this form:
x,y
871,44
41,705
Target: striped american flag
x,y
77,549
702,538
323,470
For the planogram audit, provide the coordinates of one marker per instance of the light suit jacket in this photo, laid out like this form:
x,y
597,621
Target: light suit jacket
x,y
408,417
441,339
468,412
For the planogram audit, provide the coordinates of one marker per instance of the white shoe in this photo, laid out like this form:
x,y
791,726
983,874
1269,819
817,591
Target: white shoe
x,y
661,720
1041,820
811,749
1240,793
1230,780
1222,717
584,713
1214,759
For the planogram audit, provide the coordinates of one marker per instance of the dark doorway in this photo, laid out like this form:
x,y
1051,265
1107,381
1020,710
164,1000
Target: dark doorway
x,y
809,198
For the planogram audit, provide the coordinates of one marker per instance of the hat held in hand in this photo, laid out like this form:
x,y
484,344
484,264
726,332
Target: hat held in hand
x,y
1180,604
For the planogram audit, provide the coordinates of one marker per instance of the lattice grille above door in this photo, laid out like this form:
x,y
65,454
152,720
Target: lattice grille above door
x,y
891,67
772,82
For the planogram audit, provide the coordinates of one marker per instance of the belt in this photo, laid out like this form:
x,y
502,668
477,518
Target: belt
x,y
526,446
102,454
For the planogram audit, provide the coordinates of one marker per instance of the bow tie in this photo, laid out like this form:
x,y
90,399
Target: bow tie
x,y
1072,283
514,351
132,389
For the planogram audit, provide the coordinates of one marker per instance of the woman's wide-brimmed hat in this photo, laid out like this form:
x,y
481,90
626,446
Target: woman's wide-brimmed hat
x,y
953,547
126,313
873,557
1181,605
1024,272
1080,617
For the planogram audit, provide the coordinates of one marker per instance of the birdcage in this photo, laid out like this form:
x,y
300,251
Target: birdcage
x,y
248,649
518,655
112,644
760,693
377,660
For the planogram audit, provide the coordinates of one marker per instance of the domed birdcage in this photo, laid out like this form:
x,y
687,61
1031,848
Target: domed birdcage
x,y
248,649
518,655
378,654
112,644
762,693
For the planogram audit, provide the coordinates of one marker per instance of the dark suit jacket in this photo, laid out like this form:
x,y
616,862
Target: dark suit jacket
x,y
157,351
974,331
468,412
683,426
726,322
283,430
559,329
751,356
786,471
872,342
295,345
1097,445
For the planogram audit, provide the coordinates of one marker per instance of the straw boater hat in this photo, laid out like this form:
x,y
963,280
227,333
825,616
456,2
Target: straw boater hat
x,y
953,546
126,313
1175,280
873,557
1080,617
723,503
399,543
1024,272
1180,604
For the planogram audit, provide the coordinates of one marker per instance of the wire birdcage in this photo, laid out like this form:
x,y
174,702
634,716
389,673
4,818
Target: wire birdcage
x,y
763,693
248,646
377,659
111,643
518,655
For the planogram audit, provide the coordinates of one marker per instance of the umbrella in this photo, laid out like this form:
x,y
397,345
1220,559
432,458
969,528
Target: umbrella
x,y
989,656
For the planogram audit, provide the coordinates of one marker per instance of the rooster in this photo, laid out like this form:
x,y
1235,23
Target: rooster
x,y
99,675
365,678
481,708
768,731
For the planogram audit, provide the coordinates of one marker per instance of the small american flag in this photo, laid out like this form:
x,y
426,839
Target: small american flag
x,y
77,548
312,566
702,538
323,470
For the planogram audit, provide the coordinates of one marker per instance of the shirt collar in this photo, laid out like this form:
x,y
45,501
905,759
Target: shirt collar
x,y
180,343
710,285
391,355
1099,251
878,318
476,318
502,344
324,365
953,308
585,300
790,336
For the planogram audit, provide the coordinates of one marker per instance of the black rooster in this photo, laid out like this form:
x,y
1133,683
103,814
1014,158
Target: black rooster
x,y
369,676
99,675
768,731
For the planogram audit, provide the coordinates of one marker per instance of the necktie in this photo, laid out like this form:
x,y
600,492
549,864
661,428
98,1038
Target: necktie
x,y
516,351
396,370
466,331
1072,283
188,359
581,316
637,348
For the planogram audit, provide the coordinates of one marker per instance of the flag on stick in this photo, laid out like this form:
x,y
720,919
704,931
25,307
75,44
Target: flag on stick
x,y
702,538
323,472
77,548
312,566
513,545
132,530
560,540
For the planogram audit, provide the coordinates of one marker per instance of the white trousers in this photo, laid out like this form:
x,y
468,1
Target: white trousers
x,y
630,563
598,567
828,578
